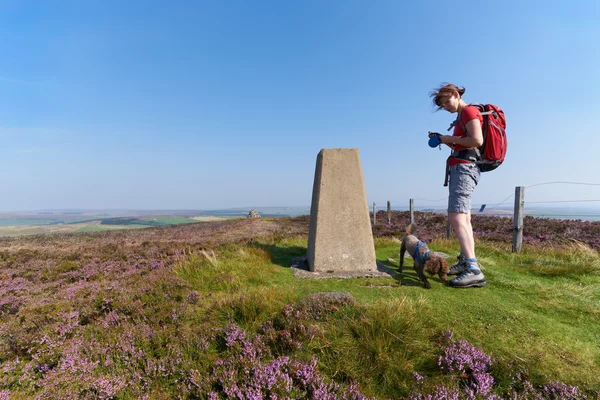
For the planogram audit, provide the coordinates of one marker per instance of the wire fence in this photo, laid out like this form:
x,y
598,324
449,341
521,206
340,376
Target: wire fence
x,y
564,209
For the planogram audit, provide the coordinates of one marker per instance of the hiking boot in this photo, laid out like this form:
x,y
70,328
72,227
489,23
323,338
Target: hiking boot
x,y
459,267
469,278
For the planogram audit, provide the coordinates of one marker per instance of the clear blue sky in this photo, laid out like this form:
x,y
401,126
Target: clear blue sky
x,y
215,104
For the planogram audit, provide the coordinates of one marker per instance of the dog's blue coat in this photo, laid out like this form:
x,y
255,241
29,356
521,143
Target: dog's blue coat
x,y
417,254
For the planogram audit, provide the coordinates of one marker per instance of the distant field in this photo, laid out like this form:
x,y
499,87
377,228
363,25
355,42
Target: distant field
x,y
208,218
38,223
64,228
171,220
26,221
34,230
30,226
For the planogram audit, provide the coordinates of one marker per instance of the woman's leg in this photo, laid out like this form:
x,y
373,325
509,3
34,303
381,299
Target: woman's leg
x,y
463,180
461,224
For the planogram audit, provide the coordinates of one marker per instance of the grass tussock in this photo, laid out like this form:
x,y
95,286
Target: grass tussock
x,y
382,341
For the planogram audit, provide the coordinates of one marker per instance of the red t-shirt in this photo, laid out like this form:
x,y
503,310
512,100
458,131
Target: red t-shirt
x,y
467,114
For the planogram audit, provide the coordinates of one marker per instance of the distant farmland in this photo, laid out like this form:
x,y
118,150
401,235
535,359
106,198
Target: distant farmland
x,y
73,221
45,224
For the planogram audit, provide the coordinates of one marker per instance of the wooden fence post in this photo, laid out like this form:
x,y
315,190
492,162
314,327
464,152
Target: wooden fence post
x,y
517,244
374,213
389,212
411,207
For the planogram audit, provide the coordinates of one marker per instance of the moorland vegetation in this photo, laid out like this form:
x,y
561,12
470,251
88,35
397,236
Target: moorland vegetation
x,y
211,310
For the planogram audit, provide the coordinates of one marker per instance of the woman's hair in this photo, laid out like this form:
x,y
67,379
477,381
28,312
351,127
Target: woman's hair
x,y
443,92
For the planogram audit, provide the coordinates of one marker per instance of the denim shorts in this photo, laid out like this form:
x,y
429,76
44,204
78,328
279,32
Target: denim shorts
x,y
463,180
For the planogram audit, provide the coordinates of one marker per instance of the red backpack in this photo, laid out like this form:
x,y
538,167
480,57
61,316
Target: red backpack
x,y
493,150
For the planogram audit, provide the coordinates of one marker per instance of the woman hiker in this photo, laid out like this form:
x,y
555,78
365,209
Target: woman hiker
x,y
464,176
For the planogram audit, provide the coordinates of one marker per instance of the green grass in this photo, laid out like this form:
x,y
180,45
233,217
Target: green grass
x,y
538,315
171,220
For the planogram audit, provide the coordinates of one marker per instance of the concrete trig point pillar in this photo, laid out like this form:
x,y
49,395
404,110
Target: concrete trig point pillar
x,y
340,239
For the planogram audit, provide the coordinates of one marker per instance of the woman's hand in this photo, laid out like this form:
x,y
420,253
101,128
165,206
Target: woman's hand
x,y
445,139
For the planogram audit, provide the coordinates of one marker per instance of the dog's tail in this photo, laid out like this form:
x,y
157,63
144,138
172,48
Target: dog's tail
x,y
411,229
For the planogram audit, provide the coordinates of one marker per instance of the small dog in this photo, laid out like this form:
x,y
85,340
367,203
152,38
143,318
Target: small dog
x,y
424,259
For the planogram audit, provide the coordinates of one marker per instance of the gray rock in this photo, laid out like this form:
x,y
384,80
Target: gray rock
x,y
253,214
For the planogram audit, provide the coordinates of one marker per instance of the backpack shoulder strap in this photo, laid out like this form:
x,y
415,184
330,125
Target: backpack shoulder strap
x,y
484,110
